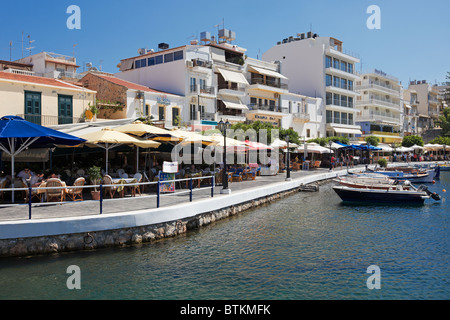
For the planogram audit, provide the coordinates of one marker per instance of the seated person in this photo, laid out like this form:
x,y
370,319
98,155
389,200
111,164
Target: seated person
x,y
25,174
37,179
193,169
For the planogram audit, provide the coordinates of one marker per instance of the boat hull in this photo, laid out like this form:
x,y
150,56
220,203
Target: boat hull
x,y
380,196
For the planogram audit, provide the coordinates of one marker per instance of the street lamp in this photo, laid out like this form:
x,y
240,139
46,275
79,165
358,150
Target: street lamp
x,y
330,143
288,162
223,127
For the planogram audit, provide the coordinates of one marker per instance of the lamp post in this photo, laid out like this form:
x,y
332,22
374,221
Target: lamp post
x,y
223,127
330,143
288,160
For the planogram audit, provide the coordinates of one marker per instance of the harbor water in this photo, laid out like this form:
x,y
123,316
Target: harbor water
x,y
306,246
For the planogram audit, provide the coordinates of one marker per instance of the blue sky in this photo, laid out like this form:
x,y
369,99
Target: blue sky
x,y
412,44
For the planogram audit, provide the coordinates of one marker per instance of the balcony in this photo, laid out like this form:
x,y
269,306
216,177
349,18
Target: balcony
x,y
197,89
381,102
340,120
50,120
269,83
301,117
373,85
263,107
232,90
374,116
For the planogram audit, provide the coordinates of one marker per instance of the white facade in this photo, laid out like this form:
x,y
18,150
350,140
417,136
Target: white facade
x,y
52,65
318,67
380,103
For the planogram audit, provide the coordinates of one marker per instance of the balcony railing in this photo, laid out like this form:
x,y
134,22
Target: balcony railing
x,y
201,89
374,115
339,120
302,116
270,83
379,101
376,85
339,103
55,56
22,72
341,86
264,107
50,120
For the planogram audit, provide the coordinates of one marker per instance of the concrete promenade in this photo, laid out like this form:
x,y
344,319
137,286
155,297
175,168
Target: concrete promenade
x,y
129,212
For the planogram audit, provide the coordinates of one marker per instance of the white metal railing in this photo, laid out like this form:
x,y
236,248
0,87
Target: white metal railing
x,y
101,187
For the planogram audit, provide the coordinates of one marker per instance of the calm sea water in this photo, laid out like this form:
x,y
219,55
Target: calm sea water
x,y
306,246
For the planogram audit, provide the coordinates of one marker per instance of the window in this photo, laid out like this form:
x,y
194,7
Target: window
x,y
33,107
350,85
344,66
350,102
336,99
350,118
335,63
192,112
143,63
137,64
328,63
162,112
65,109
175,115
202,84
168,57
147,110
193,84
343,118
328,80
343,101
336,81
158,59
178,55
308,133
151,61
329,116
344,84
350,68
337,116
329,99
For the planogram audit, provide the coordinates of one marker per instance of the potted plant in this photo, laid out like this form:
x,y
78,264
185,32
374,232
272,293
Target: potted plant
x,y
95,176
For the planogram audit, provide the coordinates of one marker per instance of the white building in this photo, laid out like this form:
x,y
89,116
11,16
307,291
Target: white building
x,y
380,105
319,67
53,65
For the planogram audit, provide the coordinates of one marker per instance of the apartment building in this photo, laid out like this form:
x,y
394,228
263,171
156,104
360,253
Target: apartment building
x,y
53,65
320,67
428,104
218,81
380,105
44,101
411,113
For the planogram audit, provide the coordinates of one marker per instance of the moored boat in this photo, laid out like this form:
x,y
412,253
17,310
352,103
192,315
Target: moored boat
x,y
392,195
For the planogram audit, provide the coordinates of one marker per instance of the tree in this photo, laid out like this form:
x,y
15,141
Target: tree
x,y
444,122
441,140
409,141
372,140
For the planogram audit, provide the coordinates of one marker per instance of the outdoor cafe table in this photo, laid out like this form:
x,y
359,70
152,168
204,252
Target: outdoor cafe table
x,y
122,182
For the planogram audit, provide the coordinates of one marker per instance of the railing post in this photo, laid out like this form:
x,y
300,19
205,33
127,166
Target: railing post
x,y
190,188
101,199
29,202
158,192
212,185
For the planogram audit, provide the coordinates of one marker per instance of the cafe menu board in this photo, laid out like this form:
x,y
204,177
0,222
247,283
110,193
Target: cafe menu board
x,y
168,174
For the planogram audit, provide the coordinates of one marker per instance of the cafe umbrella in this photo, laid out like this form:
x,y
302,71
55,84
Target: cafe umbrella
x,y
17,135
108,139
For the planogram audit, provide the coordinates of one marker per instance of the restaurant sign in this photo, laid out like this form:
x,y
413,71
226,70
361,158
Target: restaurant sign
x,y
276,121
163,100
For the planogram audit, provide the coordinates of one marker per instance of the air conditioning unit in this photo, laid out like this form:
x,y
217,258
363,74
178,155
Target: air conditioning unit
x,y
189,64
139,95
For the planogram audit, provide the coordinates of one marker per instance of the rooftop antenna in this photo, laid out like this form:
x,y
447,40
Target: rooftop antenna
x,y
30,42
10,51
100,66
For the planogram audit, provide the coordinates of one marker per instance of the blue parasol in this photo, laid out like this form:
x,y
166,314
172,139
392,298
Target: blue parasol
x,y
17,135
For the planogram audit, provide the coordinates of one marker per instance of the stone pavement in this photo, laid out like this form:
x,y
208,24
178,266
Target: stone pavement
x,y
148,199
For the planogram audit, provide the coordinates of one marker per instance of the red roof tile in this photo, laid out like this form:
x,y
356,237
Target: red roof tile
x,y
37,80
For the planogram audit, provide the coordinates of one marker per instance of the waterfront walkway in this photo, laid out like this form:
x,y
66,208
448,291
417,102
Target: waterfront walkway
x,y
148,200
